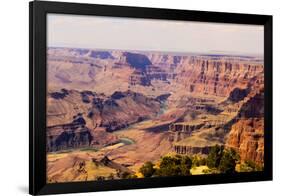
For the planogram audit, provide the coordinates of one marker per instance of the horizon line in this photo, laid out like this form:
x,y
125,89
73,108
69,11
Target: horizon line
x,y
226,53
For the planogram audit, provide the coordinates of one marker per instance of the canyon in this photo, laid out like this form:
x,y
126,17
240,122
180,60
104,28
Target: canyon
x,y
130,107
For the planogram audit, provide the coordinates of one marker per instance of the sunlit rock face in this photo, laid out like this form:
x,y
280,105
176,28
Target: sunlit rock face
x,y
247,134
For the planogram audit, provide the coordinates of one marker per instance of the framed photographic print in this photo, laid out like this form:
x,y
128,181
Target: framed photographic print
x,y
128,98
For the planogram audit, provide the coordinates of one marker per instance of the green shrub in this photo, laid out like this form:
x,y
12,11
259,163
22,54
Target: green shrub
x,y
147,170
124,174
250,166
198,161
214,157
185,166
228,161
202,161
174,166
211,171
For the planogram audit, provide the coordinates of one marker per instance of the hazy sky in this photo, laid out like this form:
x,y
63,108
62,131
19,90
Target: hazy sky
x,y
146,34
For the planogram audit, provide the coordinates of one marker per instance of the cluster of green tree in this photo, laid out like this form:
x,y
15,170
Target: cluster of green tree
x,y
169,166
198,161
250,166
221,160
125,175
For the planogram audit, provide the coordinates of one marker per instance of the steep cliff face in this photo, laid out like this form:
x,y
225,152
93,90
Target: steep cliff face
x,y
139,77
69,136
254,107
168,60
157,73
247,137
203,75
137,61
216,77
238,94
100,54
191,150
210,74
247,134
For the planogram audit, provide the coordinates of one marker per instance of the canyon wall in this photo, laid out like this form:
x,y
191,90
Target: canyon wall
x,y
247,134
204,74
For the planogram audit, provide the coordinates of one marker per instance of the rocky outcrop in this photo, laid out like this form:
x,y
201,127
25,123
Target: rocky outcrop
x,y
137,61
59,95
216,77
105,161
139,77
68,136
247,137
238,94
191,150
101,54
163,97
156,73
181,130
247,133
185,127
254,107
150,73
178,136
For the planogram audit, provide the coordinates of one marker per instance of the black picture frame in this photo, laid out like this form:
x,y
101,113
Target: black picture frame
x,y
37,96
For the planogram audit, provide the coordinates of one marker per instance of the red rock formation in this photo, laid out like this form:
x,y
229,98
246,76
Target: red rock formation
x,y
210,74
192,149
185,127
247,137
217,77
139,77
247,134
